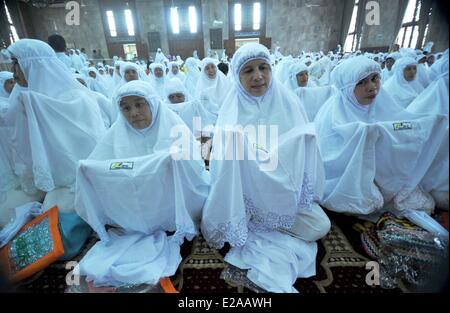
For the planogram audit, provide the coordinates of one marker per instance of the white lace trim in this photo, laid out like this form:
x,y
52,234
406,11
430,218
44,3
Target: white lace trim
x,y
236,235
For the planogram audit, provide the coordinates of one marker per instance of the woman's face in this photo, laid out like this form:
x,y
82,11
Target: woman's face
x,y
9,85
131,74
367,89
19,76
410,72
302,78
255,77
92,74
159,72
211,71
177,97
137,111
174,69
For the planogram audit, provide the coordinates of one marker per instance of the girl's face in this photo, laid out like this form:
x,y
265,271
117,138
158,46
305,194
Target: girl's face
x,y
302,78
211,71
137,111
410,72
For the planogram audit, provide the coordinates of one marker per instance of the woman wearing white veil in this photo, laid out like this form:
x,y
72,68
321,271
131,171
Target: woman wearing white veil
x,y
140,181
160,57
263,201
404,86
130,71
97,83
188,108
158,78
175,72
375,153
212,81
434,100
50,100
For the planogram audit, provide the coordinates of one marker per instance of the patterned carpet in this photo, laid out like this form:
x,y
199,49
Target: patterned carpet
x,y
340,268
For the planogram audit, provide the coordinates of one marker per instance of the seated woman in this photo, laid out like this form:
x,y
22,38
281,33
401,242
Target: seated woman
x,y
263,201
192,74
403,86
376,154
311,96
158,78
174,72
212,81
97,83
141,184
131,71
188,108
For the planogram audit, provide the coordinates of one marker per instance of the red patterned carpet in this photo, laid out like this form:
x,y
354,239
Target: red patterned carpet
x,y
340,267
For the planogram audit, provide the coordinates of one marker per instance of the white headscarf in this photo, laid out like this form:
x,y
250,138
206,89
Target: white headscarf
x,y
158,82
56,121
160,57
4,76
217,88
403,92
192,108
247,204
124,66
368,149
295,69
98,84
153,194
180,75
192,75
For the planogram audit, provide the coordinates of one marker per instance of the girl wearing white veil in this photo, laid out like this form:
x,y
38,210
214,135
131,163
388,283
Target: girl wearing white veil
x,y
298,77
50,100
140,181
264,207
130,71
403,85
158,78
174,72
97,83
375,153
212,81
160,57
192,75
188,108
434,100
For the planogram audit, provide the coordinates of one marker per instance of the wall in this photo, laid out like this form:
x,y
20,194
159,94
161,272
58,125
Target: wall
x,y
310,28
214,12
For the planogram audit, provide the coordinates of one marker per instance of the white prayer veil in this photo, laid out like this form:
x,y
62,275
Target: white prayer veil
x,y
180,75
158,82
192,75
404,92
124,66
204,110
46,157
368,149
278,107
217,87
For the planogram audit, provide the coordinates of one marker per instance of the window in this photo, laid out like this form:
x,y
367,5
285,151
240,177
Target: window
x,y
111,23
13,32
256,15
409,32
192,19
237,17
352,40
175,21
129,22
